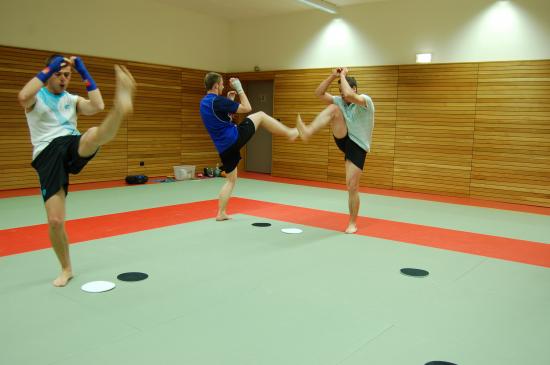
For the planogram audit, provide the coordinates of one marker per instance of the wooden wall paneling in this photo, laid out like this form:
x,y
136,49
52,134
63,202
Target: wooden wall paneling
x,y
17,67
154,130
435,127
511,157
294,93
479,130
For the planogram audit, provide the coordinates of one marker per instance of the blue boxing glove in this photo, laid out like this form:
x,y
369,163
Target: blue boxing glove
x,y
79,66
54,66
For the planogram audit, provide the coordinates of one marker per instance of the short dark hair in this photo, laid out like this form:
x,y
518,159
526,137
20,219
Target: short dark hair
x,y
210,79
50,59
351,81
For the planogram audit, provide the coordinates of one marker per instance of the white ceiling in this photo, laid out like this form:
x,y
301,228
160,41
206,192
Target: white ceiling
x,y
246,9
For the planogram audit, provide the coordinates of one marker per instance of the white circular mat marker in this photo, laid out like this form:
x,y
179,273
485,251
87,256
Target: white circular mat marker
x,y
97,286
291,230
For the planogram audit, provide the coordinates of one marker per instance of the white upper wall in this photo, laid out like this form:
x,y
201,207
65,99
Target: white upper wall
x,y
393,32
378,33
137,30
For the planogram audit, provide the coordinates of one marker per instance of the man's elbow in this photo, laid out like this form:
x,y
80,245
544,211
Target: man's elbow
x,y
247,109
22,98
98,107
348,94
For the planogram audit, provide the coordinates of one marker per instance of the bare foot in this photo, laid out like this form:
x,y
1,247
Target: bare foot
x,y
304,134
125,88
222,217
63,279
352,228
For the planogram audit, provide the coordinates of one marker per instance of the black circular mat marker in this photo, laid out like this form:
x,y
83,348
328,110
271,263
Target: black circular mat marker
x,y
261,224
132,276
440,363
418,273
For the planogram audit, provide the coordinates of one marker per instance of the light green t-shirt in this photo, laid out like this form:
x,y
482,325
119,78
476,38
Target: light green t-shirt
x,y
359,120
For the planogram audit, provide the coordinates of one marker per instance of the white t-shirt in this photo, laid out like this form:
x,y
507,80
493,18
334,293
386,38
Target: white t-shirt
x,y
52,116
359,120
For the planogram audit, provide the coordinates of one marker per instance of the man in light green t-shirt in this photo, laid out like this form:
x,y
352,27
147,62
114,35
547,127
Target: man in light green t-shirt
x,y
351,117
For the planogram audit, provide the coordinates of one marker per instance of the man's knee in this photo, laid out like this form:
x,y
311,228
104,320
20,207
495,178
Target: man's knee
x,y
352,182
333,108
92,135
89,142
232,176
334,111
56,223
258,116
352,186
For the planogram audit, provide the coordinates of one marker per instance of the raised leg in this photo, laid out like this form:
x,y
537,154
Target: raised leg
x,y
261,119
330,115
122,106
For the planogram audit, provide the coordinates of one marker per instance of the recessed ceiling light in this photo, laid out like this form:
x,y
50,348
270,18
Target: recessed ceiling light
x,y
321,5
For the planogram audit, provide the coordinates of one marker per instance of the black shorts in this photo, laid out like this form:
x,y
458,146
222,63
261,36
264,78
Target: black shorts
x,y
55,163
231,156
352,151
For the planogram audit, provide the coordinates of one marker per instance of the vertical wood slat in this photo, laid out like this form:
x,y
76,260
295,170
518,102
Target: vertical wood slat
x,y
154,130
15,147
293,94
511,157
435,127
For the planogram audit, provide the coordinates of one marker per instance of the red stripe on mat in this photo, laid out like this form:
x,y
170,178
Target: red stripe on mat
x,y
18,240
405,194
529,252
30,238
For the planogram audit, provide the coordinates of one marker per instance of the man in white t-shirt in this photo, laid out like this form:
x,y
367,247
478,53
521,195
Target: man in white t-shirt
x,y
351,117
58,146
